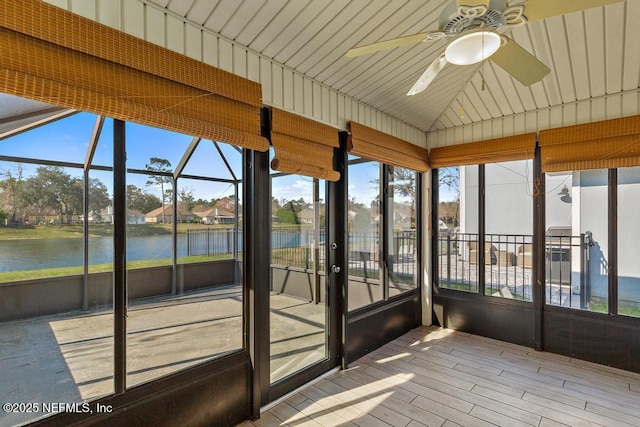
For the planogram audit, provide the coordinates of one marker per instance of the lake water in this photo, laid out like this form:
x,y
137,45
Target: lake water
x,y
34,254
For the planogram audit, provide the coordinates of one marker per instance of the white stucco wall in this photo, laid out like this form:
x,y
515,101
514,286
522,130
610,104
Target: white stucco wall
x,y
629,234
589,194
509,198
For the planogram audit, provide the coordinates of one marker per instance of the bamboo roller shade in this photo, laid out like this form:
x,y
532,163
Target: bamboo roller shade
x,y
303,146
517,147
601,145
375,145
54,56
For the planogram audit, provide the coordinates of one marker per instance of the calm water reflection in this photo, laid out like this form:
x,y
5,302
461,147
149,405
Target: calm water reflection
x,y
31,254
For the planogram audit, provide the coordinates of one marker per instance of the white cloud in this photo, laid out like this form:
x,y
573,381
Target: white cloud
x,y
292,187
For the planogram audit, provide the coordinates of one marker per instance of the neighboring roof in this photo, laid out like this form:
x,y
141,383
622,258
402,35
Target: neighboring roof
x,y
168,210
213,212
306,214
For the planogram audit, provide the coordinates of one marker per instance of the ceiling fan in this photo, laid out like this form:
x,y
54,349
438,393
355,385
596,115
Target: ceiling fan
x,y
476,30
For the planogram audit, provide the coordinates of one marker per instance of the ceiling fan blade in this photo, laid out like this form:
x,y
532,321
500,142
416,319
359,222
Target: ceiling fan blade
x,y
523,66
387,44
427,77
472,7
535,10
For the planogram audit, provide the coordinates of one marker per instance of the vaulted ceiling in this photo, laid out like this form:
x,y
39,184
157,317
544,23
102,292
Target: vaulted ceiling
x,y
591,54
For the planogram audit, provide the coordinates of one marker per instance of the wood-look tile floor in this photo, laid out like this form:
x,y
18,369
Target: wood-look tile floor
x,y
440,377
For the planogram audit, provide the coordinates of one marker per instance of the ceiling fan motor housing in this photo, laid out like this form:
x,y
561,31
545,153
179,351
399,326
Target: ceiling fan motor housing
x,y
454,20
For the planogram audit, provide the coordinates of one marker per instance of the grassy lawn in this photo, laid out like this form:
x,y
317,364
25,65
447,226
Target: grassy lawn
x,y
459,287
473,288
13,276
75,231
625,310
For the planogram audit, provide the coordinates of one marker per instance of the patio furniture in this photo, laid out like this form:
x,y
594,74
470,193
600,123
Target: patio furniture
x,y
525,255
505,258
489,253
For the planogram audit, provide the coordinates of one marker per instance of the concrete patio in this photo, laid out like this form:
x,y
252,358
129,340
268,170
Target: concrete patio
x,y
69,357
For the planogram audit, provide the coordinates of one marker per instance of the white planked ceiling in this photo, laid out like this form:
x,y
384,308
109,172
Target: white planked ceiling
x,y
591,54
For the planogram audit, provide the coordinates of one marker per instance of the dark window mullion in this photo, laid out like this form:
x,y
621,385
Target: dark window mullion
x,y
538,242
481,230
613,241
435,235
119,257
383,230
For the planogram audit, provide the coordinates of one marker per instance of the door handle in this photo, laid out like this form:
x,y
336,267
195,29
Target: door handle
x,y
335,269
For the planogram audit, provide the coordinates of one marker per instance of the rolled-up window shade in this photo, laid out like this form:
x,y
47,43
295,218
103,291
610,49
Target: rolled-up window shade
x,y
600,145
517,147
54,56
375,145
303,146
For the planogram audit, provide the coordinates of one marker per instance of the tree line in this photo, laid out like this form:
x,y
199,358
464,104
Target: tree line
x,y
51,188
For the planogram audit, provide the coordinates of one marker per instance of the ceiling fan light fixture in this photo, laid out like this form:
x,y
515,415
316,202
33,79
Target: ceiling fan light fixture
x,y
473,47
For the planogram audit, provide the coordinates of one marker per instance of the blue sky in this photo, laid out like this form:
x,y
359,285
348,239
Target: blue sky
x,y
68,139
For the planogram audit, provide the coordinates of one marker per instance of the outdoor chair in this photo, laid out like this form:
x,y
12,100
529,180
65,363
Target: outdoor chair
x,y
525,255
489,253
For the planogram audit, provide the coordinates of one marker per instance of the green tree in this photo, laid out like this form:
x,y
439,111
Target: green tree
x,y
362,220
275,205
287,216
159,167
185,201
98,195
140,200
12,190
289,210
404,181
449,211
51,187
205,203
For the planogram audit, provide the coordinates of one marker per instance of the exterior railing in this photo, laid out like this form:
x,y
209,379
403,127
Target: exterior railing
x,y
364,255
293,247
562,287
213,241
506,260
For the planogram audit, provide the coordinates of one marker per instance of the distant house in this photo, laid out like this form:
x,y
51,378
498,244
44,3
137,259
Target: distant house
x,y
156,216
215,216
105,216
306,216
41,216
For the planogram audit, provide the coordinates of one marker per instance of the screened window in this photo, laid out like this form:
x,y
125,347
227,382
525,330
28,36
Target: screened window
x,y
485,229
576,240
509,229
299,308
457,247
402,260
628,238
183,233
383,236
57,228
364,230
